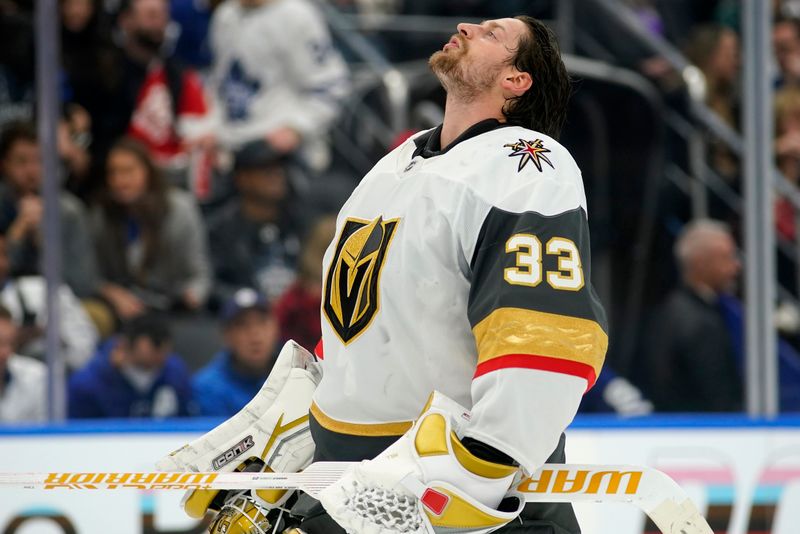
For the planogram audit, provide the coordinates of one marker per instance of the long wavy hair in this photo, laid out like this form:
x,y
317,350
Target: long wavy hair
x,y
543,107
149,212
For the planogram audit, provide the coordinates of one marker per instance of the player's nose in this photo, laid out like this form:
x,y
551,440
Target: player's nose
x,y
468,30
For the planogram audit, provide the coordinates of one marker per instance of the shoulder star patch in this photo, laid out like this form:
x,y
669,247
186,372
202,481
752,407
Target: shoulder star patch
x,y
529,151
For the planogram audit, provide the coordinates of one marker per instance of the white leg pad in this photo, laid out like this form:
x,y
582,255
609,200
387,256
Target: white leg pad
x,y
272,427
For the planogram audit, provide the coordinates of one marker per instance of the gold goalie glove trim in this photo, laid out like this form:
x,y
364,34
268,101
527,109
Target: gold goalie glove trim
x,y
351,298
426,482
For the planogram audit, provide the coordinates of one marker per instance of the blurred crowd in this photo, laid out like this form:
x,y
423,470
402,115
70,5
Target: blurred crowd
x,y
198,197
195,200
698,362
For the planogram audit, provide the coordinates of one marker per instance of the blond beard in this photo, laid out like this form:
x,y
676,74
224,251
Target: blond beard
x,y
457,79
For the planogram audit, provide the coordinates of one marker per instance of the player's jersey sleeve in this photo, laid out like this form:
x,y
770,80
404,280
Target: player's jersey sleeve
x,y
538,325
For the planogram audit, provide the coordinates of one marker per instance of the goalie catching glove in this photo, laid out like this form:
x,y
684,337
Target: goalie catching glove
x,y
270,433
426,483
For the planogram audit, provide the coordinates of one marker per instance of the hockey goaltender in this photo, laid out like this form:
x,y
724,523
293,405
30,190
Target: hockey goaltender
x,y
459,324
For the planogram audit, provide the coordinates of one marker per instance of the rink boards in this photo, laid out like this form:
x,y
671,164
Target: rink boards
x,y
743,474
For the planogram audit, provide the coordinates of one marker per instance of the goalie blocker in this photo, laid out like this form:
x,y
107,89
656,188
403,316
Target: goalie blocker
x,y
270,433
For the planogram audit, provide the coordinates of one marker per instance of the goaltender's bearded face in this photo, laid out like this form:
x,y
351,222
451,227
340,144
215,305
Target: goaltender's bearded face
x,y
477,58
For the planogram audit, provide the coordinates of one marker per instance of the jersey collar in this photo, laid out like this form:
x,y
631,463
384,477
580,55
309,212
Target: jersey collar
x,y
430,144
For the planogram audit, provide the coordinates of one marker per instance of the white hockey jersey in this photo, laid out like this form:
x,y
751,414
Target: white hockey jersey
x,y
274,66
465,271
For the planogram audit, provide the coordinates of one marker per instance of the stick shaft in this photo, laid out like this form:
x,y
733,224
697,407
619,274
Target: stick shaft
x,y
553,481
319,475
650,490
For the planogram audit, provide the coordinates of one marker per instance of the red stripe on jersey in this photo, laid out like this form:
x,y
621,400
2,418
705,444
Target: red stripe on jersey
x,y
541,363
318,352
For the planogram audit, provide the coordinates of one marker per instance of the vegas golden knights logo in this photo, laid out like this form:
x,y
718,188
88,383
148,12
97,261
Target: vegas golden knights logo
x,y
351,286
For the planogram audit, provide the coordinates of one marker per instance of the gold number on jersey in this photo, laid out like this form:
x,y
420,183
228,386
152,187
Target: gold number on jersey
x,y
528,271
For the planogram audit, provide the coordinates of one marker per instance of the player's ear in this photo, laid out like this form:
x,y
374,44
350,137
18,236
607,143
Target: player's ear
x,y
516,82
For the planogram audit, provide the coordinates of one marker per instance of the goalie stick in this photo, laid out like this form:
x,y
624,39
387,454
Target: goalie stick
x,y
656,494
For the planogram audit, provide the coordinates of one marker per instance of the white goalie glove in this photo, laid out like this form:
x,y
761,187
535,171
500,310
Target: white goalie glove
x,y
270,433
426,483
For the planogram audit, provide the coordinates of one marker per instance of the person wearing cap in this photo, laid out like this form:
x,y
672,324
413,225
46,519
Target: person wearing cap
x,y
237,372
254,238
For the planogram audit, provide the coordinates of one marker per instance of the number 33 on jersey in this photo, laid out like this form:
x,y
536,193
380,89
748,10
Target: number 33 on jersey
x,y
467,271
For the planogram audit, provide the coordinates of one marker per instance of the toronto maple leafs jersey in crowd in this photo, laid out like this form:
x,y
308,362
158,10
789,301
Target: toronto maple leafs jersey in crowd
x,y
465,271
274,65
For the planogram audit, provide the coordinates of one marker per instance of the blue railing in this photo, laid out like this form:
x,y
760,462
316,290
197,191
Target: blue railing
x,y
583,422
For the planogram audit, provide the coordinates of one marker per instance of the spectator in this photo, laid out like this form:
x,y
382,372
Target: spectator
x,y
160,102
193,17
23,386
715,51
237,372
22,209
149,238
254,238
788,358
787,158
133,375
276,75
298,308
691,364
91,77
73,138
86,45
17,91
787,153
24,298
786,43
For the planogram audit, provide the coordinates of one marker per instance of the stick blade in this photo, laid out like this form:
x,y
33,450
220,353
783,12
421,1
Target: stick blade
x,y
672,517
650,490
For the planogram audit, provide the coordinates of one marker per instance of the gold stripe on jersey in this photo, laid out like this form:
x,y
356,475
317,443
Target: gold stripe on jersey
x,y
359,429
517,331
